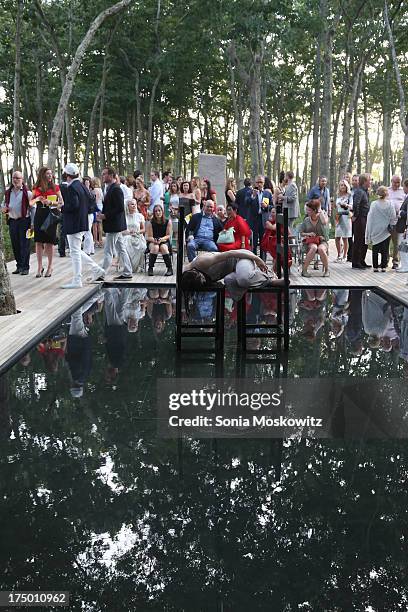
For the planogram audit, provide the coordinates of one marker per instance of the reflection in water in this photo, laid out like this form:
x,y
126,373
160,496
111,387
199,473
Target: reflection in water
x,y
93,502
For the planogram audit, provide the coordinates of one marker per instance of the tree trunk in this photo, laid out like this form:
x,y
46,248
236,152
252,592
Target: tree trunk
x,y
192,165
70,135
387,131
119,144
102,157
366,134
40,115
327,99
7,301
149,139
17,82
333,154
306,166
357,141
91,131
314,171
267,133
178,153
403,116
71,75
277,154
238,114
355,92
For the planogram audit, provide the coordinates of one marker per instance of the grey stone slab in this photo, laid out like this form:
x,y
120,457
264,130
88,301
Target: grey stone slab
x,y
214,167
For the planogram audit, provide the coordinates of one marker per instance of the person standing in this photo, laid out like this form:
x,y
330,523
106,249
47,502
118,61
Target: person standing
x,y
20,219
114,223
230,191
262,204
291,198
361,206
380,216
243,199
396,196
89,245
62,238
343,219
401,229
321,192
156,191
76,224
354,186
46,195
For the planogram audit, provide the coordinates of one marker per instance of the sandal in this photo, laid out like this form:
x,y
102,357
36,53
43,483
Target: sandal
x,y
48,273
40,274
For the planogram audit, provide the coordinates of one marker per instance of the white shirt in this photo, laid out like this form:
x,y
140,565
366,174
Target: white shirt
x,y
127,192
396,196
156,193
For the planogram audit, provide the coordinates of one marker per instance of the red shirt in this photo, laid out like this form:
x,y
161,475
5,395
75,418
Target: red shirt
x,y
37,192
242,230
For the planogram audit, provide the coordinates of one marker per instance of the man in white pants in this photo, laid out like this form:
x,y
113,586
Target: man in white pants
x,y
114,223
75,225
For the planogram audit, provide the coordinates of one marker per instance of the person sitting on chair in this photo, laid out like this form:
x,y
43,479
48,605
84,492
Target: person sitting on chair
x,y
203,231
314,234
239,230
158,233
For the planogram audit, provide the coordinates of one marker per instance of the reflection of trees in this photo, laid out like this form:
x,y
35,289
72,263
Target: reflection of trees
x,y
212,528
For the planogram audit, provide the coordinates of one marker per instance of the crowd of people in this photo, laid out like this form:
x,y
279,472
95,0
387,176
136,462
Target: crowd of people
x,y
140,222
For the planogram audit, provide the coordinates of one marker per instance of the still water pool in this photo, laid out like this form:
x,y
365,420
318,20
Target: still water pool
x,y
94,503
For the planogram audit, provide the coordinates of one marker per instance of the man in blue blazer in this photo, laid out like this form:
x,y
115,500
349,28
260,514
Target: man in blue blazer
x,y
203,230
75,219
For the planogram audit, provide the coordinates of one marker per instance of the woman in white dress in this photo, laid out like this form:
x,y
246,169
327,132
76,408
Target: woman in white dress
x,y
135,241
343,231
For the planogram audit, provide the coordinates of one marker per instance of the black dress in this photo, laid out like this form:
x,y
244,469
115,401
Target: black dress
x,y
159,231
41,213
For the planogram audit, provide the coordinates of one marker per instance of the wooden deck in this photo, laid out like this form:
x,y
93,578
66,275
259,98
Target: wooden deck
x,y
43,304
342,275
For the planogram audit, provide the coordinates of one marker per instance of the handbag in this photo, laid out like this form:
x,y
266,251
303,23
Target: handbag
x,y
312,240
49,222
226,236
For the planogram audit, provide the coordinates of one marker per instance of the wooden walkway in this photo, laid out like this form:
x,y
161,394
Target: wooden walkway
x,y
43,305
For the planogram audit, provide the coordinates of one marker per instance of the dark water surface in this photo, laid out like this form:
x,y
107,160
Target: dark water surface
x,y
93,502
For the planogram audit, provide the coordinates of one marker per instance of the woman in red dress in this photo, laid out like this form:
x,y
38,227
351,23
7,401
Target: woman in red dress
x,y
242,230
269,241
46,195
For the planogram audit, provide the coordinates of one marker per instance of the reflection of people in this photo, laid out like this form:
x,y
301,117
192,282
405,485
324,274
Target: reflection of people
x,y
339,315
79,349
376,314
241,270
312,310
354,326
115,330
52,350
159,308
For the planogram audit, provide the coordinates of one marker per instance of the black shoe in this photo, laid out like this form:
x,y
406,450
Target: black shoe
x,y
169,272
16,271
365,266
122,277
357,267
150,272
24,272
62,255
